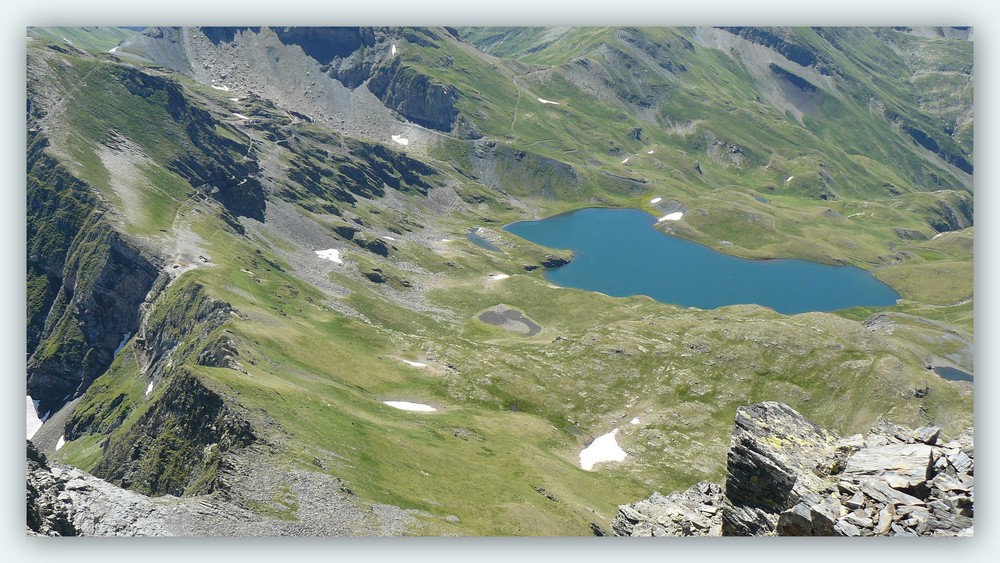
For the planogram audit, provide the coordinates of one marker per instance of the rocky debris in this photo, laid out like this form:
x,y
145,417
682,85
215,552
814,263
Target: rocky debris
x,y
786,476
65,501
48,512
694,512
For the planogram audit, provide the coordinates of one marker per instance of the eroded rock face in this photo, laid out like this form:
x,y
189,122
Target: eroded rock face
x,y
787,476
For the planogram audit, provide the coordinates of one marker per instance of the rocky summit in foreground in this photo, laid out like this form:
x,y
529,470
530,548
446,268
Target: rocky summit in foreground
x,y
786,476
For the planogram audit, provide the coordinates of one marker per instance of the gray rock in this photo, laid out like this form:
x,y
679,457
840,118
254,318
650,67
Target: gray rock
x,y
884,524
881,492
787,476
902,466
857,500
796,521
814,516
876,440
845,528
859,522
695,512
946,483
961,462
927,434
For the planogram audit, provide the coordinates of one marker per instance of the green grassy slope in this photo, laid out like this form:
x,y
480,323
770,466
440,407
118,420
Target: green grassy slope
x,y
501,452
86,38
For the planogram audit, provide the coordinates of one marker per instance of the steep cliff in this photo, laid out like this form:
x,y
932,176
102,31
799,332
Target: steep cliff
x,y
85,283
415,96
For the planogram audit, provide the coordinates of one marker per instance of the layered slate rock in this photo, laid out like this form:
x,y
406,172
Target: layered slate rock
x,y
786,476
771,467
695,512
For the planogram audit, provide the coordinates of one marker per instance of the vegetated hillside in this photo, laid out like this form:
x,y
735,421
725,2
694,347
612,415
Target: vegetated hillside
x,y
244,241
100,38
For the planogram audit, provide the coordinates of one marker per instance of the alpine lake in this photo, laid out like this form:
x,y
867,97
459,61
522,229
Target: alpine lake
x,y
619,252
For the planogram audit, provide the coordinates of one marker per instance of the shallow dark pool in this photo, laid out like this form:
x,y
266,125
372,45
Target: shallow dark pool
x,y
953,374
481,242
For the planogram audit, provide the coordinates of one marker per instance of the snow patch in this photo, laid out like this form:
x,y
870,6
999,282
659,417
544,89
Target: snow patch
x,y
401,140
414,364
937,235
675,216
32,417
498,277
408,406
224,88
393,49
121,344
649,152
634,421
603,448
61,442
235,99
149,388
544,101
389,238
446,240
656,200
114,49
240,115
331,254
625,161
789,179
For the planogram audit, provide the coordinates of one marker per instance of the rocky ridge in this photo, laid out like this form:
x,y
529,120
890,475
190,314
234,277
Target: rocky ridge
x,y
65,501
786,476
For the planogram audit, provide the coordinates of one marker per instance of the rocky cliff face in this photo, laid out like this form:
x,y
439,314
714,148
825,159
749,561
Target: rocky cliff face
x,y
415,96
90,281
786,476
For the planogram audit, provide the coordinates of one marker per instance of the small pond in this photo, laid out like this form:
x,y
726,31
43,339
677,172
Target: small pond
x,y
953,374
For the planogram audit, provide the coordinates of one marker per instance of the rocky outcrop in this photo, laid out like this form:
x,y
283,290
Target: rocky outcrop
x,y
786,476
415,96
784,41
551,261
64,501
772,454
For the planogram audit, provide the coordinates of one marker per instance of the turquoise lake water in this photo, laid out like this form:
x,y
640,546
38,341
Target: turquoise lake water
x,y
620,253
